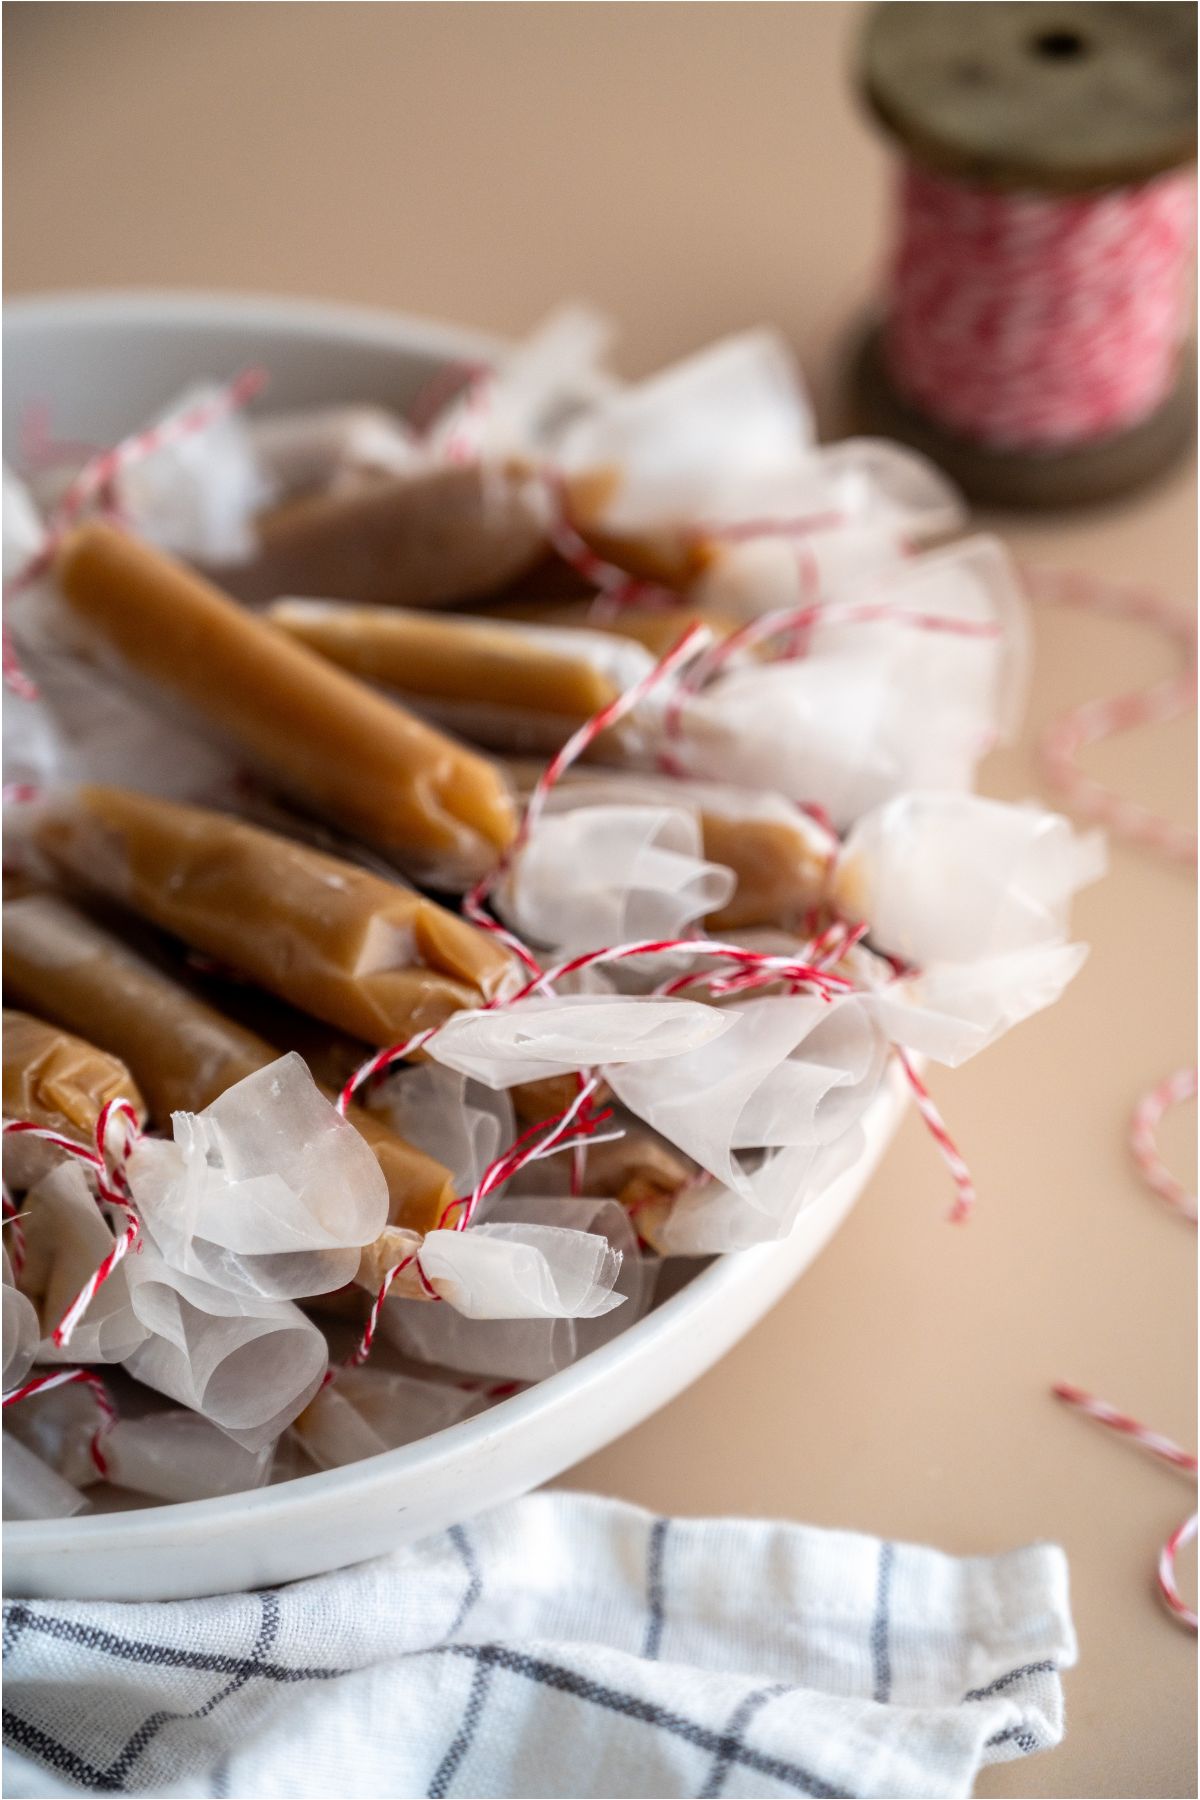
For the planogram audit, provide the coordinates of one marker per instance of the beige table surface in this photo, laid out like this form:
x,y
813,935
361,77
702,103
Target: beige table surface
x,y
695,169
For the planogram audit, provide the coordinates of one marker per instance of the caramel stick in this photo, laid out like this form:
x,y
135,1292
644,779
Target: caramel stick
x,y
368,956
452,657
182,1052
331,741
410,539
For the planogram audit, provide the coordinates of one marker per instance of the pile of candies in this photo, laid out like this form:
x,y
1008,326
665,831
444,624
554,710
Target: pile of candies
x,y
456,863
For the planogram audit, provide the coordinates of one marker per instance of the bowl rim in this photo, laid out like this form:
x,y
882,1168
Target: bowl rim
x,y
728,1273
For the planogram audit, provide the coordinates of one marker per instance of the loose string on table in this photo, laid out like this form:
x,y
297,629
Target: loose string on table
x,y
1166,1450
1059,747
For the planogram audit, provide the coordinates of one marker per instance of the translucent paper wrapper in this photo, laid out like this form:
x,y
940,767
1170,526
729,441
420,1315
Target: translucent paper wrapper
x,y
196,494
248,1365
503,1269
268,1192
725,437
957,877
749,576
556,1034
976,894
32,1490
951,1011
21,1331
791,1071
710,1219
778,855
67,1238
613,874
528,1349
461,1123
363,1412
81,726
873,707
181,1456
59,1425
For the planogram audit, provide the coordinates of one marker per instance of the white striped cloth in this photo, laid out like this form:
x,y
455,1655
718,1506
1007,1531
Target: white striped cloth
x,y
560,1645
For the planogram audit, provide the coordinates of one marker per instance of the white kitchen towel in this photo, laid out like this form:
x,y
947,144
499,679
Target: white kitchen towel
x,y
561,1645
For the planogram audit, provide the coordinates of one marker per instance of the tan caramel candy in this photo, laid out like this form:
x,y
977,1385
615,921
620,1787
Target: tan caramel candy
x,y
183,1053
451,657
367,955
417,539
58,1081
334,743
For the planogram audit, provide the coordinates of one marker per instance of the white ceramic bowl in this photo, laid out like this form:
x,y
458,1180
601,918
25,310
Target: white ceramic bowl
x,y
103,363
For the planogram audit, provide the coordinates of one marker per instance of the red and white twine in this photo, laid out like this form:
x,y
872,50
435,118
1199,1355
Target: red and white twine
x,y
44,1384
95,486
1032,321
1166,1450
1095,720
1143,1140
106,1161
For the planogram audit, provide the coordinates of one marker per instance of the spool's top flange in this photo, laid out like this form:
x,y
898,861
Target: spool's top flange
x,y
1037,94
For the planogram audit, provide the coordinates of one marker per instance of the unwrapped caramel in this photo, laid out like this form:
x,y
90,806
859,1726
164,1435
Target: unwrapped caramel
x,y
368,956
331,741
182,1052
407,539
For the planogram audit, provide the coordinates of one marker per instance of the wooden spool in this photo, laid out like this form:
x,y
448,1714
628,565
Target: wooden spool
x,y
1036,96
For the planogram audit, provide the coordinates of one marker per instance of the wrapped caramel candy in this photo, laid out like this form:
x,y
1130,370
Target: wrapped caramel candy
x,y
418,538
329,740
508,685
780,856
59,1081
367,955
185,1054
657,628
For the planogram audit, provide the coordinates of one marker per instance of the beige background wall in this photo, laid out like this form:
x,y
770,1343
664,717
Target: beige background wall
x,y
696,168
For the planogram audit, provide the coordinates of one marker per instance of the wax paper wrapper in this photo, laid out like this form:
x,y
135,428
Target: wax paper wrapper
x,y
748,576
711,1218
778,855
516,1269
181,1456
75,723
267,1192
528,1349
67,1237
604,875
724,438
876,705
957,877
59,1425
789,1071
21,1331
324,447
976,894
249,1365
32,1490
554,1034
363,1412
463,1124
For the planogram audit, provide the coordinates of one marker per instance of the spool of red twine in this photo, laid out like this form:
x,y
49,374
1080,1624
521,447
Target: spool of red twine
x,y
1039,292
